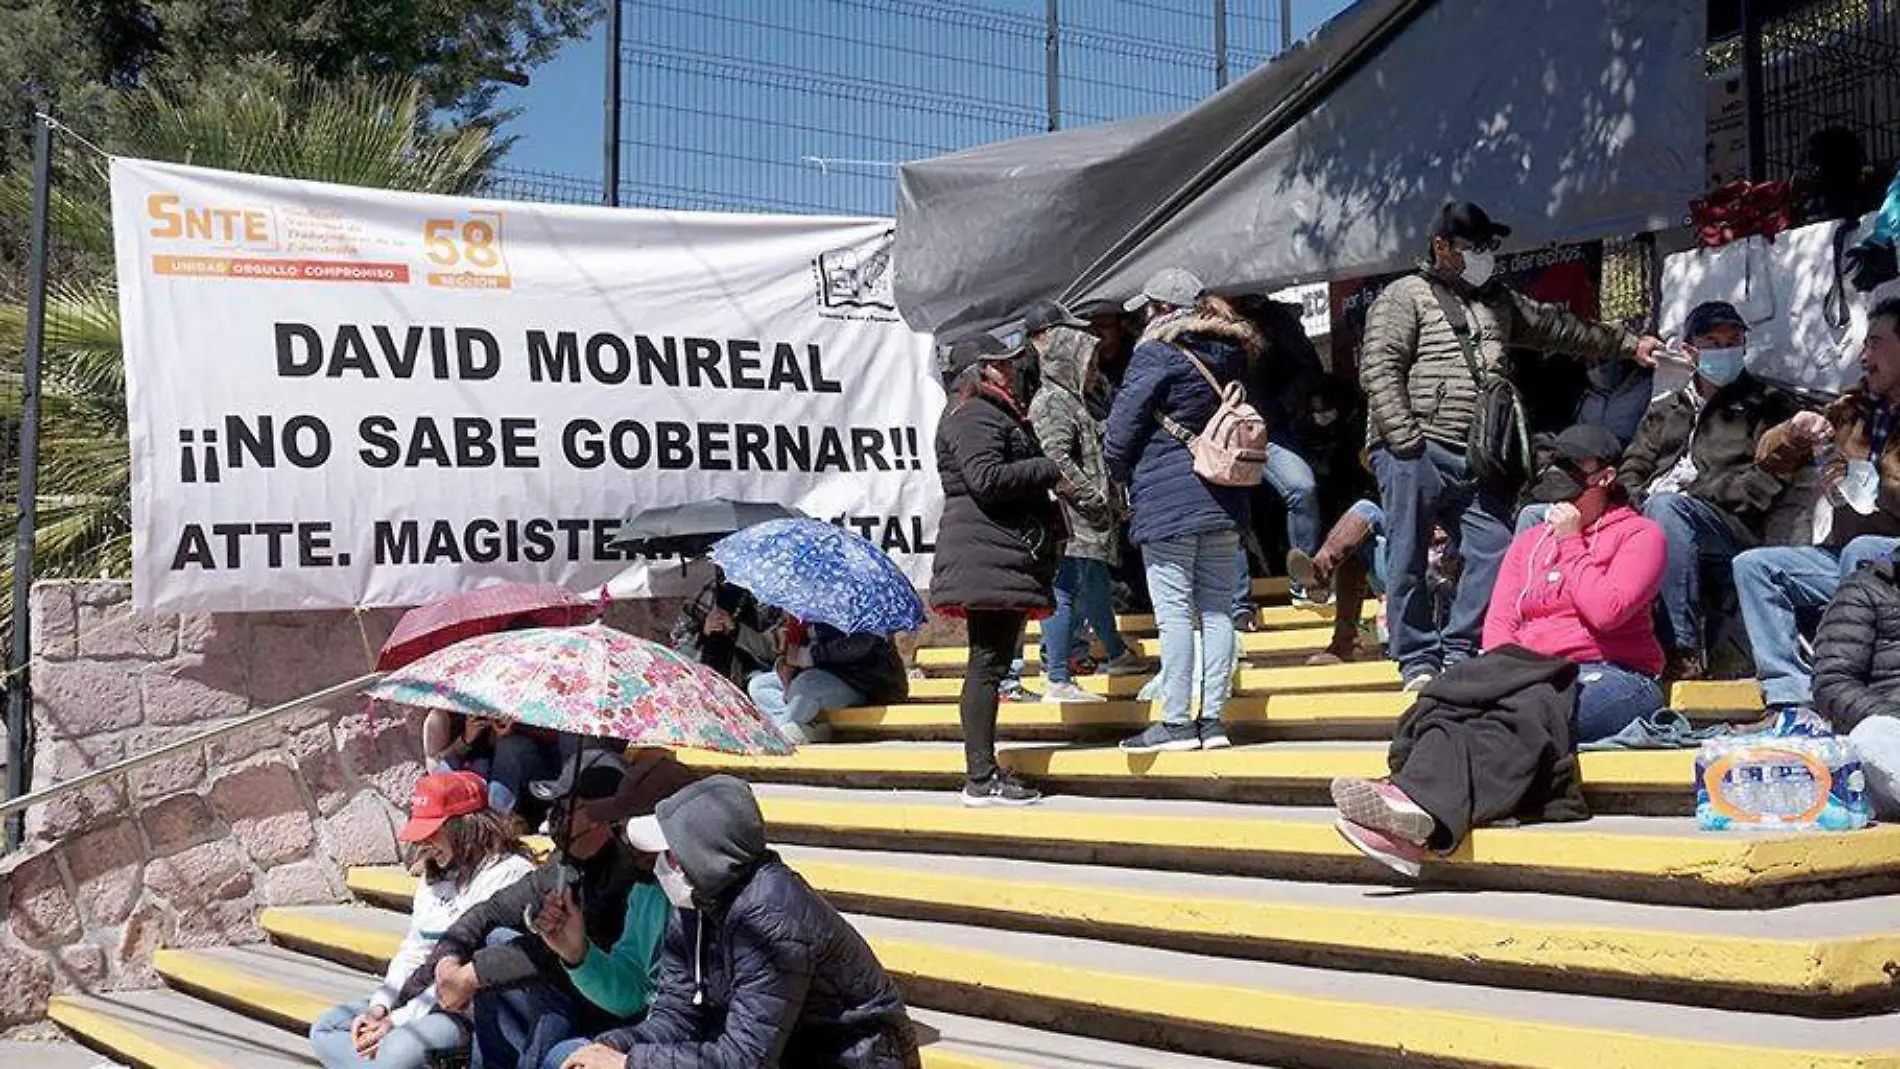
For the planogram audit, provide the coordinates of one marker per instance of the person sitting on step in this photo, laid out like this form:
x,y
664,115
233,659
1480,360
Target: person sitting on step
x,y
464,852
1350,565
1857,675
823,669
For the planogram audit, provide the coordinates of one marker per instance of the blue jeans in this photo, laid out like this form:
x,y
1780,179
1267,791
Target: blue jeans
x,y
813,691
562,1051
1697,533
1610,698
1191,580
1292,478
1877,740
1081,595
520,759
521,1025
408,1047
1776,585
1436,489
1530,516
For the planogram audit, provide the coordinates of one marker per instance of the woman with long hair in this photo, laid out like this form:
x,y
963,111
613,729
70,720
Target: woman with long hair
x,y
463,851
999,543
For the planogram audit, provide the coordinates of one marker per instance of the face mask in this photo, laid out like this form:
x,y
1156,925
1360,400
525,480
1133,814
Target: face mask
x,y
1557,484
1720,366
1325,419
1479,267
673,882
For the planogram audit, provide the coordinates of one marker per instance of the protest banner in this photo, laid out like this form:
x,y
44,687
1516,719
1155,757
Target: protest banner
x,y
343,396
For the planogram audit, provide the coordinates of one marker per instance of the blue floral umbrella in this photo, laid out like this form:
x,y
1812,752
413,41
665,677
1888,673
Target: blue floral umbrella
x,y
821,574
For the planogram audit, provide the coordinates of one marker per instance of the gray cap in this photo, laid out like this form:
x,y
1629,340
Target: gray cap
x,y
1170,285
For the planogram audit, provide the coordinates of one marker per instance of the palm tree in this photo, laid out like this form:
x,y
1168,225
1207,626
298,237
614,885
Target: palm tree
x,y
265,119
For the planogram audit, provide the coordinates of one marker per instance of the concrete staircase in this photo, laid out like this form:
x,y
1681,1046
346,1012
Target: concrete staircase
x,y
1198,909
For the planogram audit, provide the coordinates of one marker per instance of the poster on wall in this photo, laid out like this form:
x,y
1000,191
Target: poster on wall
x,y
343,396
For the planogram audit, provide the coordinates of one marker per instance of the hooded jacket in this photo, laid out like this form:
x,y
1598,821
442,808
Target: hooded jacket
x,y
1727,429
1852,415
868,664
1584,597
1413,368
1857,649
1169,499
1000,539
763,972
1072,437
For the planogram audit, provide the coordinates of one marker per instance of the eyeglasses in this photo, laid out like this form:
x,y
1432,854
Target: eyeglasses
x,y
1475,246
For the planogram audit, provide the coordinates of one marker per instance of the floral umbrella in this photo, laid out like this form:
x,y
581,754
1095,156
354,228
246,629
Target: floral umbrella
x,y
589,680
823,574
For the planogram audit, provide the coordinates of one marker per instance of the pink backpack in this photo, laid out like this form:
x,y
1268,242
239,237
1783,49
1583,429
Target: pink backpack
x,y
1232,449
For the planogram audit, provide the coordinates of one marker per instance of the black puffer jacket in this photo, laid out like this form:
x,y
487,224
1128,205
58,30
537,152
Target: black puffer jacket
x,y
1000,540
1726,431
764,972
1857,650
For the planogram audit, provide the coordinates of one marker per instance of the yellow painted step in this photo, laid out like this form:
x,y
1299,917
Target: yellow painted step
x,y
1289,711
1624,855
1272,618
1252,644
1298,679
1652,770
104,1030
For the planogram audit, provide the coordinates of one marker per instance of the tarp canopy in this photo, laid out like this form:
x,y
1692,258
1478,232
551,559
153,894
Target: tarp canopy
x,y
1567,120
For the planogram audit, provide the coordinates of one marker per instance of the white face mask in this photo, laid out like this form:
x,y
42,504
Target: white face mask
x,y
672,882
1479,267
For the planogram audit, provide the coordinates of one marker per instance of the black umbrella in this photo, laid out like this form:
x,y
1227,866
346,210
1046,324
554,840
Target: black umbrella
x,y
690,530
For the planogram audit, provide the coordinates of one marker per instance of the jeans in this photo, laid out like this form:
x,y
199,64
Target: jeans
x,y
813,691
1372,551
520,1025
1610,698
408,1047
520,759
1776,585
1877,740
1081,595
1435,488
1292,478
1530,516
1188,577
995,635
562,1051
1697,532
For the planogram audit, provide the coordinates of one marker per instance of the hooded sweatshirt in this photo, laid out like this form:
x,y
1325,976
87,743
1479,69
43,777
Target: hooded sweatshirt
x,y
763,972
1072,437
1584,597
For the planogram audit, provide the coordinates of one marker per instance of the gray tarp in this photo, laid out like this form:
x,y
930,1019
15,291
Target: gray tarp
x,y
1568,119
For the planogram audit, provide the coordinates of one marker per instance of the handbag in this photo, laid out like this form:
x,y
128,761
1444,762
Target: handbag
x,y
1498,446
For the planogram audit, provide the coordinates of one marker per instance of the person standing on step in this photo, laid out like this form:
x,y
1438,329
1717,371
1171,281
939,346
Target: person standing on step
x,y
1435,348
1073,439
999,543
1693,470
464,852
1777,584
1283,379
758,969
823,669
1187,528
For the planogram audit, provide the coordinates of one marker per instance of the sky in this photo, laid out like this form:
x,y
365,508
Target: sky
x,y
804,105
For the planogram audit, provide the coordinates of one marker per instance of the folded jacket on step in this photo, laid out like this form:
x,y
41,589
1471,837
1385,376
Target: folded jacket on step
x,y
1491,739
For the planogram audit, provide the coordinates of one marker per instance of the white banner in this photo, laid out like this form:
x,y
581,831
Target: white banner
x,y
344,396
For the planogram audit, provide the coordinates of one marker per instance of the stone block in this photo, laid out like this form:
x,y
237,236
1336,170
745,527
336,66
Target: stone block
x,y
294,655
106,866
55,619
246,744
223,638
266,811
110,630
179,823
361,833
217,924
88,807
214,872
314,754
78,699
301,884
184,771
84,966
29,983
147,929
192,691
39,903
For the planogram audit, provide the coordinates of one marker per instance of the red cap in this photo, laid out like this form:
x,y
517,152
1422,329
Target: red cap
x,y
439,797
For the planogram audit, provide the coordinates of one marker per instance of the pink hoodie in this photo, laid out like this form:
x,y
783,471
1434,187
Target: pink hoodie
x,y
1586,597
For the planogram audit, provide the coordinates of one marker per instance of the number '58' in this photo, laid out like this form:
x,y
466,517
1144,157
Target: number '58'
x,y
456,241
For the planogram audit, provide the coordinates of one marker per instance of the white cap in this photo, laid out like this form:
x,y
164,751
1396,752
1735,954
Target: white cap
x,y
645,835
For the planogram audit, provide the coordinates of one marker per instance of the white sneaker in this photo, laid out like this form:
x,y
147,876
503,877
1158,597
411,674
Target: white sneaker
x,y
813,734
1069,693
1416,683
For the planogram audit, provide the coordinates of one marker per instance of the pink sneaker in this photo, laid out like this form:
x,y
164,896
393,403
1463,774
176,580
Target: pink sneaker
x,y
1394,853
1376,803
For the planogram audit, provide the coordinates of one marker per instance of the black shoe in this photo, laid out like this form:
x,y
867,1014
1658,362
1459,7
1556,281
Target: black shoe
x,y
999,790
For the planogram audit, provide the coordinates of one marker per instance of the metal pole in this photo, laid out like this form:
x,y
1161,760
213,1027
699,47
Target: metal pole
x,y
1220,44
1752,91
610,135
1286,24
1052,62
20,692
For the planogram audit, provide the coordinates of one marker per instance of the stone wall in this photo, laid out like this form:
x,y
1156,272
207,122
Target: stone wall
x,y
185,852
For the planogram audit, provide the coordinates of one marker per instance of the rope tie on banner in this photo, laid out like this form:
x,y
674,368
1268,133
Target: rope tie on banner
x,y
60,127
370,705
